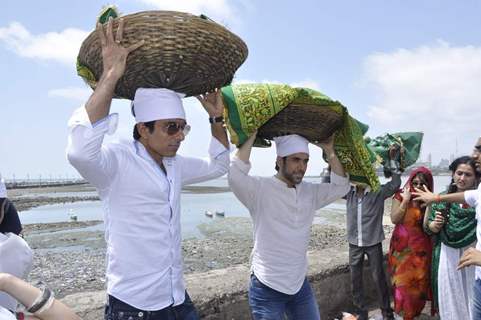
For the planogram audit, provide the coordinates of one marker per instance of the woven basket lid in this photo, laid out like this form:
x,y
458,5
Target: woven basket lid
x,y
182,52
309,121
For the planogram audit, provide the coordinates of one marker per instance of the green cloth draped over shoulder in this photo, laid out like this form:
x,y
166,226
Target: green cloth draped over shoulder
x,y
249,106
458,232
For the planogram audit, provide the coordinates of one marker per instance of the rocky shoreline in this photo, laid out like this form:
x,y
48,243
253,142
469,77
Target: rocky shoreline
x,y
70,257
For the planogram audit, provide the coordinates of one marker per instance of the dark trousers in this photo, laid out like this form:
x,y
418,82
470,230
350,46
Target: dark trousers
x,y
356,261
119,310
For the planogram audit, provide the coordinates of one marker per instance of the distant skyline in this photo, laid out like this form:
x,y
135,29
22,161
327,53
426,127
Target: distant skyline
x,y
396,65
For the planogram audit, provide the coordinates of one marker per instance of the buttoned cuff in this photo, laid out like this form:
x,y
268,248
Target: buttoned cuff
x,y
241,165
339,180
107,125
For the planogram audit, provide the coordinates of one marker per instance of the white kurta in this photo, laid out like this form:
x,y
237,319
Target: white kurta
x,y
282,219
473,198
141,209
454,286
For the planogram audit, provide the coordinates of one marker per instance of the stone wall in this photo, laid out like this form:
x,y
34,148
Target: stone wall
x,y
222,294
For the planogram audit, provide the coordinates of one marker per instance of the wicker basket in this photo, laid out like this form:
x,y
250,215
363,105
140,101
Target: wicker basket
x,y
311,122
182,52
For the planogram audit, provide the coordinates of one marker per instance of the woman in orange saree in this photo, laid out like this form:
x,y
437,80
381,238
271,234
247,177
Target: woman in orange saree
x,y
409,258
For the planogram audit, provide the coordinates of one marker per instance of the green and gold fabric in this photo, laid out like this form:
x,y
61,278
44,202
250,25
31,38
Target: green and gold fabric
x,y
249,106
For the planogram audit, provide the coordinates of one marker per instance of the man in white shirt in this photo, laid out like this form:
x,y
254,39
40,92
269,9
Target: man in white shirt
x,y
472,256
282,208
139,183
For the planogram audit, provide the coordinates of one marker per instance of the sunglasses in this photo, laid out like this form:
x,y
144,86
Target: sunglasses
x,y
172,128
477,148
417,184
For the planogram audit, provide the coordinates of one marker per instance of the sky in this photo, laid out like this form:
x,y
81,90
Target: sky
x,y
396,65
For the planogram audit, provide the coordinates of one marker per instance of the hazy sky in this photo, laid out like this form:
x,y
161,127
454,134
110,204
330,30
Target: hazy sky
x,y
396,65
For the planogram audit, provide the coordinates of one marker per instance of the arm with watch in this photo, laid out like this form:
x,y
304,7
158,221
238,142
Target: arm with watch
x,y
214,105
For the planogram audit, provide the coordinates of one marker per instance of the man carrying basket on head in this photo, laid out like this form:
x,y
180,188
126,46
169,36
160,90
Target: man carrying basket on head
x,y
139,183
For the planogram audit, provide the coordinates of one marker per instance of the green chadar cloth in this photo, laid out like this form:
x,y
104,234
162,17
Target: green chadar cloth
x,y
249,106
458,232
408,142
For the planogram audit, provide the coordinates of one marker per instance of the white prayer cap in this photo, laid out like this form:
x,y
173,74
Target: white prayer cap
x,y
3,188
157,104
287,145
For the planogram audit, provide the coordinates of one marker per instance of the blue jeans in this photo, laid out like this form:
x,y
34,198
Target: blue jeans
x,y
269,304
476,307
119,310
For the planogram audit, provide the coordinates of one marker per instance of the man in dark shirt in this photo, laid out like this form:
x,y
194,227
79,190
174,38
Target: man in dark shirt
x,y
365,210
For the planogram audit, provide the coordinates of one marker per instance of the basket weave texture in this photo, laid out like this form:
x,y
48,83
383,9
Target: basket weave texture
x,y
311,122
182,52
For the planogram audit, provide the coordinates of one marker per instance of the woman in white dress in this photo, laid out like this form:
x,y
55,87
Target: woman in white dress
x,y
455,228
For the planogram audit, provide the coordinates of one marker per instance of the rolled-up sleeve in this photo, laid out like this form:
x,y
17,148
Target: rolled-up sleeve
x,y
85,153
329,192
196,170
472,197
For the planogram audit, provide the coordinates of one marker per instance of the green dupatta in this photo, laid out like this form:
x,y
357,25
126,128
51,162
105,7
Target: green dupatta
x,y
459,232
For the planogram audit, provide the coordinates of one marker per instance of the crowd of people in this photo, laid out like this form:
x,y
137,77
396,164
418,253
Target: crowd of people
x,y
432,254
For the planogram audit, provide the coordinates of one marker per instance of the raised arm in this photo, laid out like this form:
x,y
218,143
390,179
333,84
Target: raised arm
x,y
28,295
398,208
114,58
328,147
390,188
428,197
84,150
213,104
244,186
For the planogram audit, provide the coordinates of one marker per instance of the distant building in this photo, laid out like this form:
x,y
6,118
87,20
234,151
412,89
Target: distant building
x,y
444,164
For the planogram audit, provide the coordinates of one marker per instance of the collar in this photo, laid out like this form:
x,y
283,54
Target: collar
x,y
144,154
366,189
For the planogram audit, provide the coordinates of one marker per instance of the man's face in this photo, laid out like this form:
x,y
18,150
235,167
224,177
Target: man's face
x,y
477,155
165,139
293,167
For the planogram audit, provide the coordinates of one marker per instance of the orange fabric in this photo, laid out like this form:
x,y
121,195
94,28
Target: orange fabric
x,y
409,258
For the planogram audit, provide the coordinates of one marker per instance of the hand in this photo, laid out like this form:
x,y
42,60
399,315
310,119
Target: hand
x,y
114,56
406,194
327,145
424,195
212,103
438,222
470,257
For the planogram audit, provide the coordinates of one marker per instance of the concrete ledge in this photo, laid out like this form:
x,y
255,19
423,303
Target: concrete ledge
x,y
222,294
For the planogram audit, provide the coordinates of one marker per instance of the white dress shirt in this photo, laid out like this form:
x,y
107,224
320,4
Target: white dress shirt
x,y
473,199
282,219
141,209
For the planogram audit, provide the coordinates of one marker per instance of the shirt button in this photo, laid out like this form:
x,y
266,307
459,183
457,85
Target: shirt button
x,y
141,314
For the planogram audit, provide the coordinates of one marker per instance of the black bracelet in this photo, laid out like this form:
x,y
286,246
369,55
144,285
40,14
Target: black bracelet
x,y
41,300
219,119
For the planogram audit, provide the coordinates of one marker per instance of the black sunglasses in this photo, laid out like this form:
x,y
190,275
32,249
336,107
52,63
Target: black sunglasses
x,y
477,148
172,128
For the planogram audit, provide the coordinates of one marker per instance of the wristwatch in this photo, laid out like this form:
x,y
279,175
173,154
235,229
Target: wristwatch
x,y
219,119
